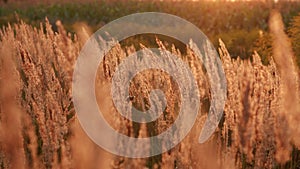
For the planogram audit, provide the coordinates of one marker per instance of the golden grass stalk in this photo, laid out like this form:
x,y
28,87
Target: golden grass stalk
x,y
289,87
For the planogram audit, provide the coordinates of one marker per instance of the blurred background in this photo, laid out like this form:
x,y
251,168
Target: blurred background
x,y
242,25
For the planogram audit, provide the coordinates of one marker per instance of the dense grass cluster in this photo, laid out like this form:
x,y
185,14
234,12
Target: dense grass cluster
x,y
38,128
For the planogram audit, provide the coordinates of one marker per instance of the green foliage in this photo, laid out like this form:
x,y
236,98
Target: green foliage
x,y
263,46
236,23
240,43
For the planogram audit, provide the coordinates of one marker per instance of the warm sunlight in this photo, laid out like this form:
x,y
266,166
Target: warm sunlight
x,y
149,84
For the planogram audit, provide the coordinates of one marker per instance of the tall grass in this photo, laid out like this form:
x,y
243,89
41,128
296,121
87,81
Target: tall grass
x,y
39,128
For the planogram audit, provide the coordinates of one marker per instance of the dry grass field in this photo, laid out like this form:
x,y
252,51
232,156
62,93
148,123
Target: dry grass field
x,y
39,127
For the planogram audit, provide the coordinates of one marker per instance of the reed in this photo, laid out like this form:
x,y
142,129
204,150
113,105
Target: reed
x,y
39,128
